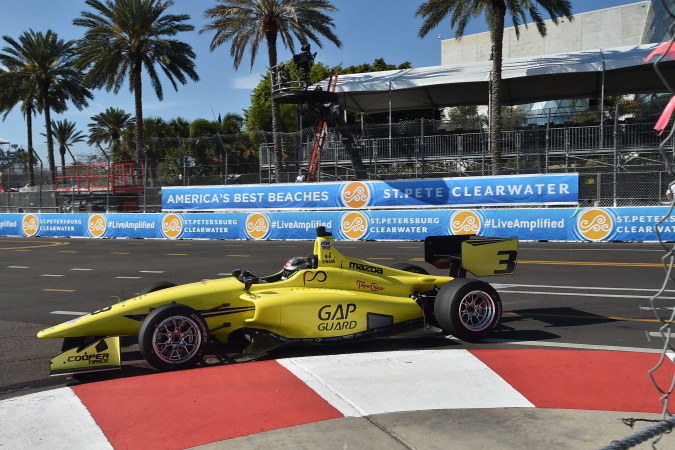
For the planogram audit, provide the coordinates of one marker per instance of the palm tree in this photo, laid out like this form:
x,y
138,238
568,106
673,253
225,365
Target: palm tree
x,y
231,123
252,22
107,127
44,74
65,135
18,87
461,11
123,38
179,127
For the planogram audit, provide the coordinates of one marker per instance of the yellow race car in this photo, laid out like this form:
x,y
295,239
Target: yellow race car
x,y
325,298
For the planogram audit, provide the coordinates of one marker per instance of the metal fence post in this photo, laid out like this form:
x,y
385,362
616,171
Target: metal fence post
x,y
616,155
548,139
485,148
31,149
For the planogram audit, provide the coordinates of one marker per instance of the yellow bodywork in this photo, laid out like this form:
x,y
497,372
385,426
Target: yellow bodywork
x,y
340,296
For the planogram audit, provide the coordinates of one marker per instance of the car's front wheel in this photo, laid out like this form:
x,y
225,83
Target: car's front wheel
x,y
468,309
173,337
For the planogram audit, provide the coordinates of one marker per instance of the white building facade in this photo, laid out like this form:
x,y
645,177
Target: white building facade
x,y
633,24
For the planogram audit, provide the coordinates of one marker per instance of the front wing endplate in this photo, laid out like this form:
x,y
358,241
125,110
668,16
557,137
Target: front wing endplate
x,y
103,354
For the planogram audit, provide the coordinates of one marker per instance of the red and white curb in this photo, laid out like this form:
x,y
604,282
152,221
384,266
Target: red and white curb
x,y
190,408
375,383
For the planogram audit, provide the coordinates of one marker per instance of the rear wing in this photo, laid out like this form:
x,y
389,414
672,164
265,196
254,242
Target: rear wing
x,y
482,256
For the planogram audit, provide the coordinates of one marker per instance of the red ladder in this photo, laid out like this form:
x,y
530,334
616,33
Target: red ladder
x,y
320,136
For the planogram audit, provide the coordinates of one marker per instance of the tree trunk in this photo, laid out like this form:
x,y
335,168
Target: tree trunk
x,y
31,161
276,109
48,129
499,9
138,103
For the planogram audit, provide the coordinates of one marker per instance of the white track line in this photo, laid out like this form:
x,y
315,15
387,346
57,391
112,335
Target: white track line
x,y
560,290
570,345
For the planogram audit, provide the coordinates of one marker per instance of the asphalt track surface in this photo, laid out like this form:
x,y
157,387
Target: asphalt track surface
x,y
565,300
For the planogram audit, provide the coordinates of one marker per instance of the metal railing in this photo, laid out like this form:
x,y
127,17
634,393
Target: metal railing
x,y
618,162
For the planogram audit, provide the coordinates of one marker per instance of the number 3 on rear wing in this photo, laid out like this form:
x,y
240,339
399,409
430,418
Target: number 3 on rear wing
x,y
482,256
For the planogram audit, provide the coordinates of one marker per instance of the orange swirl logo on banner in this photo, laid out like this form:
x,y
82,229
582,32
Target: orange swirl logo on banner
x,y
355,195
257,226
30,225
595,224
465,222
97,225
354,225
172,226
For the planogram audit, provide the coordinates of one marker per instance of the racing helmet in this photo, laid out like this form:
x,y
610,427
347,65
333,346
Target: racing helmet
x,y
293,265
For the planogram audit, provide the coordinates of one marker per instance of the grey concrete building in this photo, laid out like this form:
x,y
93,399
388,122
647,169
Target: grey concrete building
x,y
633,24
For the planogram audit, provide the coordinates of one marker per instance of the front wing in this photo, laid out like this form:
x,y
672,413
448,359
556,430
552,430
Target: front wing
x,y
103,354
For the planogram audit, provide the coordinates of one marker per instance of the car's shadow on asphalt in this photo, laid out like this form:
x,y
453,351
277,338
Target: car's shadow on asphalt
x,y
516,325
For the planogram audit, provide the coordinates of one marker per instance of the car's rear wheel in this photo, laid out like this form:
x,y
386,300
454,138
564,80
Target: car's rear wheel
x,y
407,267
468,309
173,337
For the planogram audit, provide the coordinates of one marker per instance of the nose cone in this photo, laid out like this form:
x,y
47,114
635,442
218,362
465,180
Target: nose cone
x,y
104,322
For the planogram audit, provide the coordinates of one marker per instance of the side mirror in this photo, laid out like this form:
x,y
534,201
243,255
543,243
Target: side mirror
x,y
249,281
236,273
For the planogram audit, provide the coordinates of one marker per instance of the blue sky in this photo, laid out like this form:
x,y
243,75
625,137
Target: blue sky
x,y
369,29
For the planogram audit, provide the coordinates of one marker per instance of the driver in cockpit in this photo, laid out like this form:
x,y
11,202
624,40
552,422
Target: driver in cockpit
x,y
293,265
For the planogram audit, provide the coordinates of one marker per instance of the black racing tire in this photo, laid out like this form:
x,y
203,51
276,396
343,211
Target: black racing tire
x,y
468,309
173,337
407,267
158,286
